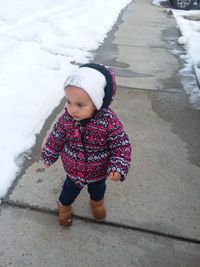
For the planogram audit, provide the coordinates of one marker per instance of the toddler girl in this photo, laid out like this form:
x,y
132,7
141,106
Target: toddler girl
x,y
90,140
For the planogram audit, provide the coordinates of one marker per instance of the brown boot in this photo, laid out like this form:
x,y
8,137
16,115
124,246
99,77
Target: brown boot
x,y
98,209
65,215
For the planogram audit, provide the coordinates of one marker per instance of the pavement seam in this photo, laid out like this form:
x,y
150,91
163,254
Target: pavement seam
x,y
13,204
142,46
124,87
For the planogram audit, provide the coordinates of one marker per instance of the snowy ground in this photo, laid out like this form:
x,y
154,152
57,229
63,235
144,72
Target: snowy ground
x,y
38,40
158,2
189,25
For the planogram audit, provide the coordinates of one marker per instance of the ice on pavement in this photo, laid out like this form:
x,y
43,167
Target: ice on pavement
x,y
38,40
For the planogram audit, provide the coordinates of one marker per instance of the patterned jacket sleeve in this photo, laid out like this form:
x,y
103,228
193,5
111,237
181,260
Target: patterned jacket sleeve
x,y
55,143
120,149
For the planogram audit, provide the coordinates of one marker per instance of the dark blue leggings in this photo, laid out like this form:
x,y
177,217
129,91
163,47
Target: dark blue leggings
x,y
70,191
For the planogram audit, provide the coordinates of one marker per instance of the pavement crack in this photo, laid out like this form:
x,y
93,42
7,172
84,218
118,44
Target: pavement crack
x,y
13,204
139,46
172,91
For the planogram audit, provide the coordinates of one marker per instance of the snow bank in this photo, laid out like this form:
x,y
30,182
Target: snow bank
x,y
189,25
158,2
38,41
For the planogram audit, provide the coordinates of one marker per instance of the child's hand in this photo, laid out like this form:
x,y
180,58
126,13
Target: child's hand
x,y
115,176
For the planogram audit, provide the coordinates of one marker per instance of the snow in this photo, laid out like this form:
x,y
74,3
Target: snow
x,y
188,23
38,42
158,2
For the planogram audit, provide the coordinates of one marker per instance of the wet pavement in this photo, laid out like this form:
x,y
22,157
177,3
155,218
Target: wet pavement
x,y
153,217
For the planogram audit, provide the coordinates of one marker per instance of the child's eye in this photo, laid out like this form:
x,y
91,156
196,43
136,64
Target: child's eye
x,y
80,105
68,102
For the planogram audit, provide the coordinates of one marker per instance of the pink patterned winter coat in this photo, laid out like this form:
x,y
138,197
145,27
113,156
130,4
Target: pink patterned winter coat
x,y
89,152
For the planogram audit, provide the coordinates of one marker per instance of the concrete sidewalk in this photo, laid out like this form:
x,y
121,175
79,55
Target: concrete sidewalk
x,y
153,217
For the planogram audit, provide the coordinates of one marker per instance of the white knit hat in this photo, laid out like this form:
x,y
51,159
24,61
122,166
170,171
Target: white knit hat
x,y
91,81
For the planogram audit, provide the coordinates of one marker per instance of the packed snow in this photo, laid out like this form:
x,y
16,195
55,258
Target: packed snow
x,y
38,42
189,24
158,2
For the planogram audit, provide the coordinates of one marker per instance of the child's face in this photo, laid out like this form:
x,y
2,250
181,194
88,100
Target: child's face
x,y
79,104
